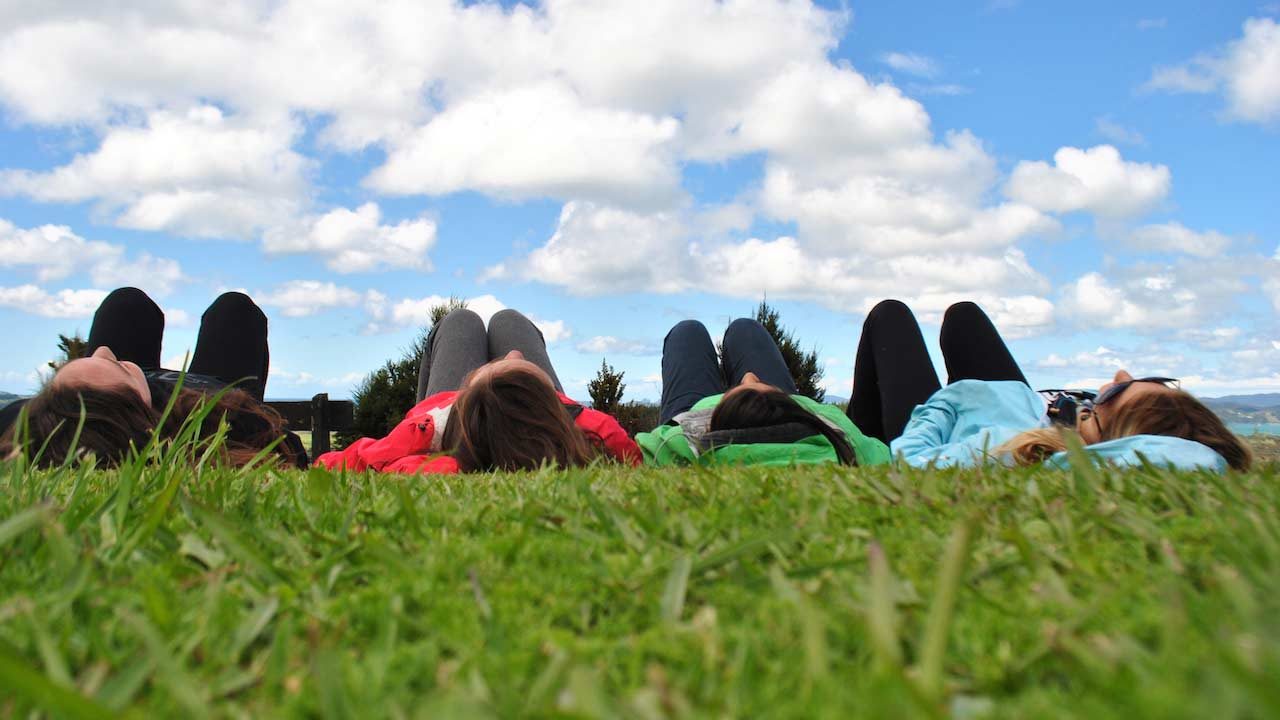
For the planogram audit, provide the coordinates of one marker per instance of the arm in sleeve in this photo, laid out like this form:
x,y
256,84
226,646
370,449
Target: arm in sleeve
x,y
927,436
615,439
411,437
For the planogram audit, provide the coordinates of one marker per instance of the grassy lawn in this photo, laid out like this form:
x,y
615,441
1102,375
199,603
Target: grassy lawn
x,y
162,591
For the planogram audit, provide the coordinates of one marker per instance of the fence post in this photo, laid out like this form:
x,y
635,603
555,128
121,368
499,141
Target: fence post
x,y
319,425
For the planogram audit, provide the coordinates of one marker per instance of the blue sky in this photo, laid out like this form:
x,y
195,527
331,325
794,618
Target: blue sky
x,y
1103,180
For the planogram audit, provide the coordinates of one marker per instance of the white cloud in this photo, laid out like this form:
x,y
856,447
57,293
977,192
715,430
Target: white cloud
x,y
537,141
416,312
610,345
1162,297
356,241
55,252
199,173
1117,133
1246,72
1158,23
599,249
300,298
1095,180
1106,360
910,63
61,304
1175,237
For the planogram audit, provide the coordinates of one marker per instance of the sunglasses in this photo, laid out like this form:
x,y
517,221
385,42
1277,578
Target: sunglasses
x,y
1113,391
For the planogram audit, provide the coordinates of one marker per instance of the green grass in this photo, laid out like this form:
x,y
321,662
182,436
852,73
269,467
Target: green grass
x,y
161,591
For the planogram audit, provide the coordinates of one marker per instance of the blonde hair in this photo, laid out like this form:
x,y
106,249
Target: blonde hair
x,y
1175,414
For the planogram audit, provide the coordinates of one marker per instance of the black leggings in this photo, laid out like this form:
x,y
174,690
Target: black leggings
x,y
893,374
231,346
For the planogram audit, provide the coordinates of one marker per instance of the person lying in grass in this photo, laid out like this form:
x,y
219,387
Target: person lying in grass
x,y
988,411
123,392
760,420
489,400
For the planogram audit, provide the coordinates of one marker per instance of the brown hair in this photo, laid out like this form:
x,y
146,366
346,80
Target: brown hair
x,y
1176,414
116,420
514,420
751,408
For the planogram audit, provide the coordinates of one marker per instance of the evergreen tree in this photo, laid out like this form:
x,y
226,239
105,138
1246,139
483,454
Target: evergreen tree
x,y
69,348
804,367
386,394
606,389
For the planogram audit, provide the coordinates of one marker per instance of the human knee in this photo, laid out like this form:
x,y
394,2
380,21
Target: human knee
x,y
233,302
687,329
962,311
130,299
461,316
743,328
508,316
890,308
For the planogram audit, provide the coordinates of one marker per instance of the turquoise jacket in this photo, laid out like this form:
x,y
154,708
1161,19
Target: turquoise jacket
x,y
963,423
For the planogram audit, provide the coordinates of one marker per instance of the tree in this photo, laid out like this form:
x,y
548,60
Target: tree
x,y
69,348
386,394
606,389
804,367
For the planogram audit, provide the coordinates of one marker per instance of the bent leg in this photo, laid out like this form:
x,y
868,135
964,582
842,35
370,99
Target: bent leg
x,y
690,368
131,324
748,347
973,348
455,346
892,372
509,330
232,344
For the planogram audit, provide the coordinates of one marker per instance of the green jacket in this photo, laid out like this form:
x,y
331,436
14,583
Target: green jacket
x,y
669,444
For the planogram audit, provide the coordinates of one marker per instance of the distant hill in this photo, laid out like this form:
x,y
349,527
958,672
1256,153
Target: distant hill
x,y
1256,402
7,397
1246,409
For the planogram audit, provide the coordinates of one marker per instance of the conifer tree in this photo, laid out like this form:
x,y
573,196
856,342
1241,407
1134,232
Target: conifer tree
x,y
804,367
606,389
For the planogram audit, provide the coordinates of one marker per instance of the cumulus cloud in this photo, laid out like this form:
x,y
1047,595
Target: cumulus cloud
x,y
537,141
55,252
1162,297
357,241
602,249
1096,180
610,345
1176,237
1106,361
411,312
199,173
910,63
1246,71
61,304
300,298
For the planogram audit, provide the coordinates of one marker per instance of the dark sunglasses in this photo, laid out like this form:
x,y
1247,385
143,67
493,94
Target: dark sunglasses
x,y
1113,391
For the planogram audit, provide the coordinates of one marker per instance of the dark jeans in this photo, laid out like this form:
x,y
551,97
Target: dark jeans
x,y
893,373
231,346
691,370
459,344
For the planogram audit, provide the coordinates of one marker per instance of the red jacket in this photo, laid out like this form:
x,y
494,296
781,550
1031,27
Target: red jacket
x,y
414,446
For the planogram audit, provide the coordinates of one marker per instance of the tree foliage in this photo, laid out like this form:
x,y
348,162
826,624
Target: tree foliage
x,y
386,394
803,366
606,389
69,348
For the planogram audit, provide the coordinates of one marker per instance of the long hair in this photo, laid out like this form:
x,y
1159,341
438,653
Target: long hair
x,y
751,408
1176,414
117,420
514,420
